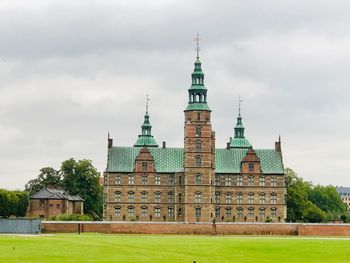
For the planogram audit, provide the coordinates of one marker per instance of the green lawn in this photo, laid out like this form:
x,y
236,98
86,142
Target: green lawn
x,y
171,248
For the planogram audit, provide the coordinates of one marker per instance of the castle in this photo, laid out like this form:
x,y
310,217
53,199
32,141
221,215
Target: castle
x,y
196,183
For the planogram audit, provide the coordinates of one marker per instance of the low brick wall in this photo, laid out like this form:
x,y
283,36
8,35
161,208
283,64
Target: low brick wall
x,y
324,230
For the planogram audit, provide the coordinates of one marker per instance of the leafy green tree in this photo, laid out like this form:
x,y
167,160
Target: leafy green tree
x,y
47,177
326,198
5,205
13,203
22,204
82,178
313,214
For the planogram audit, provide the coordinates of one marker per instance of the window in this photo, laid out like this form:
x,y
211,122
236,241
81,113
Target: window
x,y
239,212
262,198
262,181
157,179
273,181
144,197
180,199
228,181
273,198
250,198
117,197
217,212
170,212
180,212
157,197
131,179
262,212
157,212
144,179
171,197
251,167
198,212
180,180
228,212
198,160
130,211
144,211
118,180
130,197
198,116
198,146
217,198
198,197
228,198
198,131
117,211
273,212
42,203
239,198
239,180
58,205
171,180
250,180
217,180
105,180
251,212
144,166
198,179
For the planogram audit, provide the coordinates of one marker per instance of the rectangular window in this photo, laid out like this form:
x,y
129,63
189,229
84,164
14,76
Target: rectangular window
x,y
131,179
143,211
240,212
228,198
180,198
240,180
157,197
251,167
273,181
262,213
198,179
105,180
157,212
198,131
144,166
117,211
273,199
198,212
250,198
117,196
217,180
171,180
228,181
198,146
118,180
251,212
130,197
198,160
157,179
262,199
144,197
217,198
228,213
273,212
130,211
262,180
198,197
171,197
171,212
144,179
239,198
42,203
217,212
180,180
251,180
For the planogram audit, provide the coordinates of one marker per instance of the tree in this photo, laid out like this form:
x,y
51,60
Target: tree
x,y
47,177
82,178
313,214
326,198
13,203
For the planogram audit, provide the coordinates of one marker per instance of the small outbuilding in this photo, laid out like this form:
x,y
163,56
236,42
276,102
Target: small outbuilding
x,y
50,202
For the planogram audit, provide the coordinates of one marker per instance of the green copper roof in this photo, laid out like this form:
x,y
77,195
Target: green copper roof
x,y
147,140
170,160
240,143
197,106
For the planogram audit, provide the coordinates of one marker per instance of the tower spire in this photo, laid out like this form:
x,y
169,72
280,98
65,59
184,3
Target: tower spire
x,y
197,48
147,101
239,141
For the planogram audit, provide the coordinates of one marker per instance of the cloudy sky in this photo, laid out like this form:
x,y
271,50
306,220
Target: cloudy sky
x,y
72,71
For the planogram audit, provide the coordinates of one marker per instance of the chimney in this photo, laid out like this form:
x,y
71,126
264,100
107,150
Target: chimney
x,y
228,146
110,142
278,145
164,145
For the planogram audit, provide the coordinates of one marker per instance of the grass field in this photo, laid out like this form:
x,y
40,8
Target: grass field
x,y
171,248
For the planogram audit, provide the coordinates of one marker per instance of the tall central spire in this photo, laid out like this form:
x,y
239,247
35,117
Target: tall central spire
x,y
197,93
146,137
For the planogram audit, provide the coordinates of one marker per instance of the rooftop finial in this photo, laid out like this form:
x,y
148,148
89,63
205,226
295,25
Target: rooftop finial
x,y
239,105
197,48
147,100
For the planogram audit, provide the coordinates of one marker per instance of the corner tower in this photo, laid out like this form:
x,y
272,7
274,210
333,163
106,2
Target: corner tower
x,y
199,152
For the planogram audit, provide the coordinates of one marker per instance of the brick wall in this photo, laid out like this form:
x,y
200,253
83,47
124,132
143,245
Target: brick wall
x,y
199,228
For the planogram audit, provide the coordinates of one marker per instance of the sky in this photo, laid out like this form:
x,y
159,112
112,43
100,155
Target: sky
x,y
72,71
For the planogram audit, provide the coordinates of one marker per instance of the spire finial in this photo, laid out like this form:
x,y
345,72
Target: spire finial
x,y
197,48
239,105
147,100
